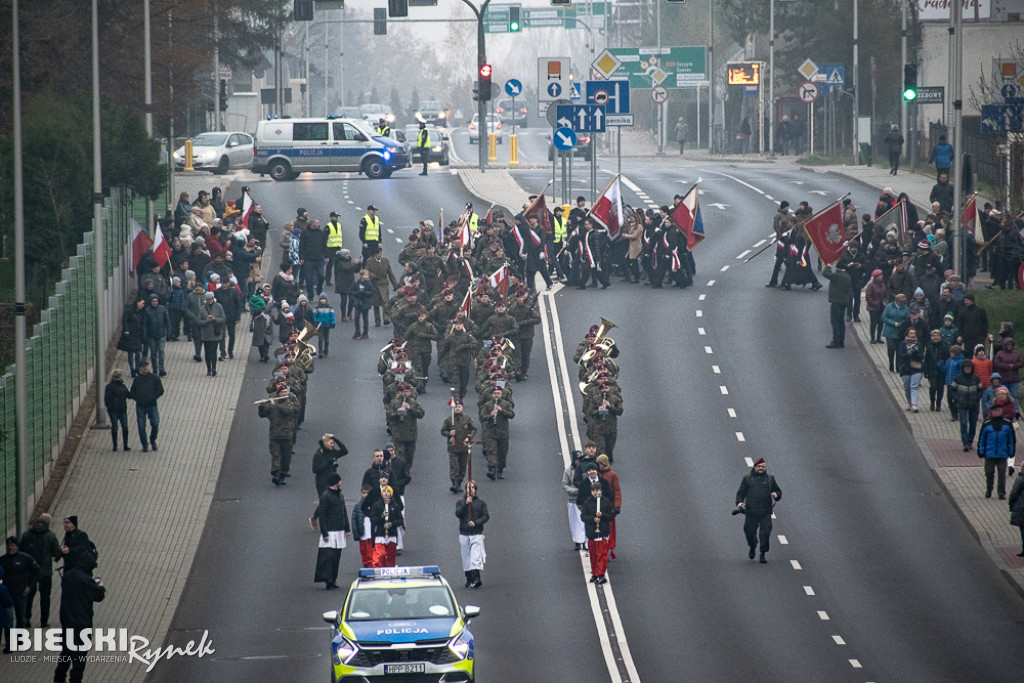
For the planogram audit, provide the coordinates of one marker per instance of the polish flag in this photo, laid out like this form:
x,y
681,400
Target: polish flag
x,y
141,243
246,212
161,250
970,219
466,307
687,217
499,280
465,237
607,210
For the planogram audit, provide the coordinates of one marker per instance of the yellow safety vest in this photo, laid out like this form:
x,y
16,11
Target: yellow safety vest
x,y
473,219
384,130
423,140
372,228
560,230
334,235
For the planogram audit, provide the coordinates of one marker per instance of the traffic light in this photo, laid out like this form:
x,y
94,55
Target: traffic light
x,y
380,21
514,25
910,82
485,82
223,95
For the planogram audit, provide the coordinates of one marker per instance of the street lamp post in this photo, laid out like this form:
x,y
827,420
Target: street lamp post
x,y
21,470
97,221
481,59
771,83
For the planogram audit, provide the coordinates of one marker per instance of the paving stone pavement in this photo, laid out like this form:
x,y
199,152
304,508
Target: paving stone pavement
x,y
146,511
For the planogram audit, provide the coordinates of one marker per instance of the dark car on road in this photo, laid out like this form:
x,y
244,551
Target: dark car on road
x,y
434,111
509,114
438,144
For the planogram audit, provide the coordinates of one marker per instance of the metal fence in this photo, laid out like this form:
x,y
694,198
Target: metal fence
x,y
61,353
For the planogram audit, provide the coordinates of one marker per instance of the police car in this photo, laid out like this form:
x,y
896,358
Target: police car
x,y
287,147
398,622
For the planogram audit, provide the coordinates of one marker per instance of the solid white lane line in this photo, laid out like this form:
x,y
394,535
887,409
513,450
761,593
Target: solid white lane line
x,y
740,437
715,369
614,661
783,540
796,565
743,254
707,349
732,413
741,182
823,615
711,283
839,640
808,590
724,389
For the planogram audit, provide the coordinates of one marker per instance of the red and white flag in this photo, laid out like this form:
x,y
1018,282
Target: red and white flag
x,y
141,243
246,212
970,219
499,280
466,307
607,210
161,250
687,217
827,233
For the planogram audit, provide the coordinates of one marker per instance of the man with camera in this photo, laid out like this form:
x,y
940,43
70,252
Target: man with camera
x,y
755,498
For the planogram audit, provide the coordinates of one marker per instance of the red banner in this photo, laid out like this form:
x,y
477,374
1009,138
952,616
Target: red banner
x,y
827,233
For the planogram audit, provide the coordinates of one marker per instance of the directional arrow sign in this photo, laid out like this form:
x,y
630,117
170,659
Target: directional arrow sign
x,y
720,206
584,118
821,192
554,89
564,139
513,87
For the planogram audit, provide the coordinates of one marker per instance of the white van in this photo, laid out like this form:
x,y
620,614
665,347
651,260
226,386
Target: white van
x,y
287,147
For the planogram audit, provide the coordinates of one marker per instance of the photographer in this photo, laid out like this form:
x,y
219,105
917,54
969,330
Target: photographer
x,y
325,461
755,498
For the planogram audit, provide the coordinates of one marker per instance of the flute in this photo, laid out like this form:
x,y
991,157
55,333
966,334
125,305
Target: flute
x,y
269,400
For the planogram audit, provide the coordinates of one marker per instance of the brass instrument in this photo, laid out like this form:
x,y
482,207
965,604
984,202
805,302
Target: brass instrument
x,y
305,348
600,341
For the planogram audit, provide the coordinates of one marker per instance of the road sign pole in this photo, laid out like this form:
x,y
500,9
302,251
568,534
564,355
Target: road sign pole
x,y
565,181
618,151
593,165
810,116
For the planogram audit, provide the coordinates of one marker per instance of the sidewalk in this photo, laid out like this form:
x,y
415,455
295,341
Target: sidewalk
x,y
146,511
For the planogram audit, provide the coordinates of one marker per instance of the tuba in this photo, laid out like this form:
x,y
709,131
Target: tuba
x,y
601,341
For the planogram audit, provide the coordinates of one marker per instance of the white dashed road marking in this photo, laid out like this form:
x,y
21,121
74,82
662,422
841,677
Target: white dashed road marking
x,y
796,565
700,331
743,255
707,349
855,664
740,437
783,540
808,590
715,369
711,283
724,389
732,413
725,268
700,313
823,615
839,640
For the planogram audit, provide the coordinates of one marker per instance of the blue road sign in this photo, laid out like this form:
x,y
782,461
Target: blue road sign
x,y
582,118
612,95
574,91
565,139
1002,118
835,77
513,87
1009,91
554,89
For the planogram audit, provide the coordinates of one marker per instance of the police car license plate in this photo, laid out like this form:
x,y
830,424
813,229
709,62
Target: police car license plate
x,y
405,668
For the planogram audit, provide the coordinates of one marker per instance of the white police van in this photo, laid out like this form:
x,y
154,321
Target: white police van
x,y
287,147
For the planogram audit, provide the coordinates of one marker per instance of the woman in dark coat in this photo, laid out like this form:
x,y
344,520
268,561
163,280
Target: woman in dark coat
x,y
115,400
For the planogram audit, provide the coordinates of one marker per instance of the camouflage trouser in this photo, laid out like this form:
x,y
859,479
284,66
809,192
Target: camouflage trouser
x,y
406,450
457,464
496,449
280,455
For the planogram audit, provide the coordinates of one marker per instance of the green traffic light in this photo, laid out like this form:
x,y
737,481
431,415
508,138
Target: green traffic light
x,y
909,94
513,26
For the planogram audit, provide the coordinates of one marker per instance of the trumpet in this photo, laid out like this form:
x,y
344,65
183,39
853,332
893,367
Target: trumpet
x,y
600,341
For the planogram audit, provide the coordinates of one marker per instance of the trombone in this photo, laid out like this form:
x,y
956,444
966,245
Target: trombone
x,y
305,348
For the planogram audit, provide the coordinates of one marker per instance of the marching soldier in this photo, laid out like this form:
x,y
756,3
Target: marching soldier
x,y
455,356
459,430
281,411
495,414
602,419
500,323
527,317
405,413
381,275
418,337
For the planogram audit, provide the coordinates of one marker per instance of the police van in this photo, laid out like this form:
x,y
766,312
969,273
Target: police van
x,y
287,147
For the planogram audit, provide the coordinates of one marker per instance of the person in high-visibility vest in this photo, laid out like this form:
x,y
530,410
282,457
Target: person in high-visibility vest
x,y
333,245
423,145
560,233
383,128
474,220
369,232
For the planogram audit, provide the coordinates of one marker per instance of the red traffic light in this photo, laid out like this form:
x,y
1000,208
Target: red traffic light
x,y
485,70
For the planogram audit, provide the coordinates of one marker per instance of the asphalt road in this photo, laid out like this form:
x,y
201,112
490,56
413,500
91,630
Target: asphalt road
x,y
891,585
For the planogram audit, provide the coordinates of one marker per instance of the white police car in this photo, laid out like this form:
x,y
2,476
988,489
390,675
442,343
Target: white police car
x,y
401,621
287,147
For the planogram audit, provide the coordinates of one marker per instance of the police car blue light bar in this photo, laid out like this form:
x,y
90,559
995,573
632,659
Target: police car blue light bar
x,y
399,572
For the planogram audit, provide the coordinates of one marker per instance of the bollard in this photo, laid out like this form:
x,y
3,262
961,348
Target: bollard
x,y
492,147
513,149
188,156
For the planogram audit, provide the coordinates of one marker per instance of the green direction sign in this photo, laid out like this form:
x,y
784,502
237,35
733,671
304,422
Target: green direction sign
x,y
496,17
671,67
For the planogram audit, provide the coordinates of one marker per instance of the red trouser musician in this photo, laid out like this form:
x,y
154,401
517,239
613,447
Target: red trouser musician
x,y
597,513
386,517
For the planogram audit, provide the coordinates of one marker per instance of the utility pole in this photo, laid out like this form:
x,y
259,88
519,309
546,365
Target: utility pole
x,y
771,84
856,87
97,224
481,59
711,77
148,107
21,469
958,167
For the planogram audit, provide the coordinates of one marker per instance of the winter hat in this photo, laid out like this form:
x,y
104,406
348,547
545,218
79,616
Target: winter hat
x,y
296,231
968,364
918,291
321,297
302,297
602,462
209,296
876,272
759,461
949,317
591,466
924,244
969,296
385,473
931,238
214,277
996,375
175,280
190,274
73,519
333,478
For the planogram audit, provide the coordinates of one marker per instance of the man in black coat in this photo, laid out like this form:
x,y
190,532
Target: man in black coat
x,y
146,390
755,498
21,572
42,544
332,516
76,542
79,590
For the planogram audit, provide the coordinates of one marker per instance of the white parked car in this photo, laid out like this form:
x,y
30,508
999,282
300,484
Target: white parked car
x,y
218,152
493,127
